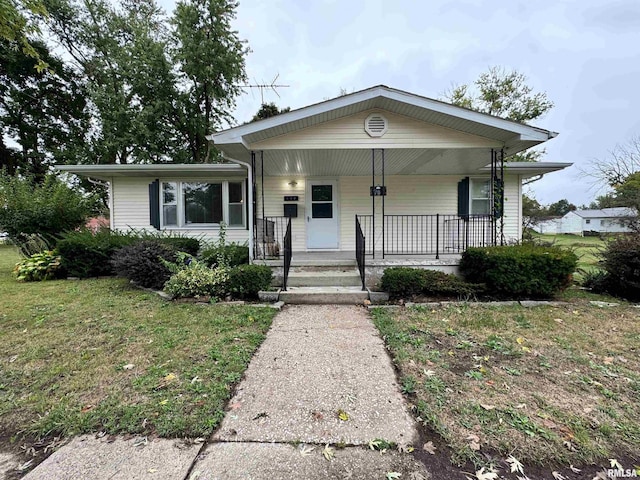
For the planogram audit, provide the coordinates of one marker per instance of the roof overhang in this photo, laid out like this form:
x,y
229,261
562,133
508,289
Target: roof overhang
x,y
513,136
107,172
530,169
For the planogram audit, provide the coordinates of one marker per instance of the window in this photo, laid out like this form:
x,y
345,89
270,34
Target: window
x,y
480,196
190,204
588,221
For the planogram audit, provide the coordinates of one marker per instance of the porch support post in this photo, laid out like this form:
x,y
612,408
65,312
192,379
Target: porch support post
x,y
492,200
383,195
264,244
373,202
502,196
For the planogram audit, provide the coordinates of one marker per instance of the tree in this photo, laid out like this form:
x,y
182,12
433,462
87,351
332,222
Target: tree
x,y
621,162
268,110
18,21
43,113
561,208
47,209
504,94
210,59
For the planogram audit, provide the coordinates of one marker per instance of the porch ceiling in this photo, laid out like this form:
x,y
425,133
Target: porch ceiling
x,y
352,162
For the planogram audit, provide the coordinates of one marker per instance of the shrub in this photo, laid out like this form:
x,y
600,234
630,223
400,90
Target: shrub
x,y
197,280
409,282
245,281
525,270
233,253
85,254
40,266
140,262
182,244
402,282
48,209
621,262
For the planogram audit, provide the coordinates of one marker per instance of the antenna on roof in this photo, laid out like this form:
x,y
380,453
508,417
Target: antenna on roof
x,y
267,86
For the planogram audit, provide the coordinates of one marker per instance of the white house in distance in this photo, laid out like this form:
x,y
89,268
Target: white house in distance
x,y
375,178
605,220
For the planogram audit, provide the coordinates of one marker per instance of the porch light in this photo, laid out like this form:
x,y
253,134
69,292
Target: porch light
x,y
293,183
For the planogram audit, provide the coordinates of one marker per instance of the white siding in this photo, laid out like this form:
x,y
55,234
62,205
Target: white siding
x,y
571,223
130,210
406,195
348,132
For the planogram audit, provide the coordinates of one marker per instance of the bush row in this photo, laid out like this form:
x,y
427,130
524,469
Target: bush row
x,y
410,282
520,271
514,271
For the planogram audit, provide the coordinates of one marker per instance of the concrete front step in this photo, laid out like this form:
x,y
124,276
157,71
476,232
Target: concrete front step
x,y
324,295
323,278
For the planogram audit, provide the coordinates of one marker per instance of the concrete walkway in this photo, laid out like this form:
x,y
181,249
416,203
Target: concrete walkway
x,y
322,376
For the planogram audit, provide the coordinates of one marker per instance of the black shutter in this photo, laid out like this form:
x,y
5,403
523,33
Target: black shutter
x,y
463,197
154,204
246,202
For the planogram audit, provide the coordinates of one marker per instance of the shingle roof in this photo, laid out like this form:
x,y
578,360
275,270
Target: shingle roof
x,y
607,212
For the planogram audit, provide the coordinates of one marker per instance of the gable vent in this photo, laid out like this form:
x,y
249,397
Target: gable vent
x,y
375,125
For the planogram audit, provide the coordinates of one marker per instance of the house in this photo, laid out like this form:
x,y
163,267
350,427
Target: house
x,y
548,226
605,220
375,178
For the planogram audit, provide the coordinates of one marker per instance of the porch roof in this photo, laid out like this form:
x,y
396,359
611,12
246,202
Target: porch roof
x,y
106,172
530,169
487,132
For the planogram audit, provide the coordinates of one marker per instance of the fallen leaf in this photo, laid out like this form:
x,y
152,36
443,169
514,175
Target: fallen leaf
x,y
318,416
87,408
164,402
490,474
342,415
403,448
306,450
13,358
128,366
514,464
416,476
141,442
487,407
558,476
152,470
195,379
328,452
393,475
428,373
574,469
559,320
608,360
429,448
195,475
474,442
615,464
374,444
570,446
520,340
24,466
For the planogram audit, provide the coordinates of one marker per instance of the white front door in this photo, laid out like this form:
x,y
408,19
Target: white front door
x,y
322,214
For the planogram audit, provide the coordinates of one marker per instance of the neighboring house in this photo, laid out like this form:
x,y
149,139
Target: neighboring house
x,y
605,220
393,177
548,226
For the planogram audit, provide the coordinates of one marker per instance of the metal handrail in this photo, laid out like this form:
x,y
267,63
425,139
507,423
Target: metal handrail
x,y
287,255
360,252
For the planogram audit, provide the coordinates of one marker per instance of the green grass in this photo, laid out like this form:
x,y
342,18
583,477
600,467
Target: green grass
x,y
550,385
586,248
82,356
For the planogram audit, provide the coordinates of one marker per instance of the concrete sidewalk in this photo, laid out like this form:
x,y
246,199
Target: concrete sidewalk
x,y
322,376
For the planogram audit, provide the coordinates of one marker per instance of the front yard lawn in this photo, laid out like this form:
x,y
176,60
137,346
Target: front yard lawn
x,y
99,355
550,385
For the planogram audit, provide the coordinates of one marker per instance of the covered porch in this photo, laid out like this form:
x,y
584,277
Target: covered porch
x,y
379,176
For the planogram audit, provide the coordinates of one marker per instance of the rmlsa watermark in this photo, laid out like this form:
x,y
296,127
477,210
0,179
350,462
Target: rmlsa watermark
x,y
622,473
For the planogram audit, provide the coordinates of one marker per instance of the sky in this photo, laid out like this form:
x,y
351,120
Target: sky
x,y
585,54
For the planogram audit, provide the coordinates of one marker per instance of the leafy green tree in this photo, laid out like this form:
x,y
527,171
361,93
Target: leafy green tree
x,y
504,94
43,113
122,52
210,59
561,208
268,110
18,21
47,209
